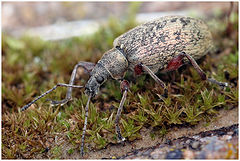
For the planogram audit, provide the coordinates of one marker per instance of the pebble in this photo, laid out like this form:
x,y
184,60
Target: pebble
x,y
176,154
188,141
147,152
168,142
201,155
226,137
195,145
235,132
156,153
188,154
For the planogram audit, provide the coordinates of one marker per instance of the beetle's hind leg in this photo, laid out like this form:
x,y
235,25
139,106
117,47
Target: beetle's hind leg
x,y
124,89
177,62
141,67
87,66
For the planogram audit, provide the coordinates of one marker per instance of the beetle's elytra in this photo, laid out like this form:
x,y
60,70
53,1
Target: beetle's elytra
x,y
163,44
155,43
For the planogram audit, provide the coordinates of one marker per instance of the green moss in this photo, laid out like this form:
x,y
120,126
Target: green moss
x,y
70,151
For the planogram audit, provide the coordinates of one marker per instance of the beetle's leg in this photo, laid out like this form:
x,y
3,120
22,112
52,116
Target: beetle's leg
x,y
87,66
85,126
143,67
177,61
42,95
124,89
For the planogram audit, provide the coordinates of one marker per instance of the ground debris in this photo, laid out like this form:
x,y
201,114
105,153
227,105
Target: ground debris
x,y
214,144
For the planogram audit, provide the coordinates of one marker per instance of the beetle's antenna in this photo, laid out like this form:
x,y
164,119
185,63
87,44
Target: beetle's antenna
x,y
50,90
85,125
88,67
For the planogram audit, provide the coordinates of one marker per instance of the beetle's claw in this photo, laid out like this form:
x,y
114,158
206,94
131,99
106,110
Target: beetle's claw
x,y
221,84
224,84
121,139
82,153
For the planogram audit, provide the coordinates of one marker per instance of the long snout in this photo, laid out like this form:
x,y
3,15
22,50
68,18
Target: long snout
x,y
92,87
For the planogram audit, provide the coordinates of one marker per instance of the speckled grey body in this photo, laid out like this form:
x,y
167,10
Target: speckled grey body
x,y
153,44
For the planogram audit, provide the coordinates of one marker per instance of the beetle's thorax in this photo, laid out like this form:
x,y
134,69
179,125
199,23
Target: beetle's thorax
x,y
115,63
112,64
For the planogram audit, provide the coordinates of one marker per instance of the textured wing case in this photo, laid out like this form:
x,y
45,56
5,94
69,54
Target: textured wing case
x,y
155,43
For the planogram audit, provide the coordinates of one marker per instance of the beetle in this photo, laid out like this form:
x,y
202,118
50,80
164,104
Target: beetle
x,y
163,45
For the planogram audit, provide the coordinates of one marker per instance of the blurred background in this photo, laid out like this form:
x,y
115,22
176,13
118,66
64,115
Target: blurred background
x,y
57,20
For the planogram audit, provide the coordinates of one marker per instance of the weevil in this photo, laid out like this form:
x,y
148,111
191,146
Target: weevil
x,y
163,45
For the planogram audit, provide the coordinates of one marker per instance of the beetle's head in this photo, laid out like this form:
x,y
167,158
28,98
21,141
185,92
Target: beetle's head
x,y
93,85
97,77
113,64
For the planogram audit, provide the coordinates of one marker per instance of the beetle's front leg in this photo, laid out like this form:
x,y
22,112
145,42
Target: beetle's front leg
x,y
177,62
85,126
124,89
87,66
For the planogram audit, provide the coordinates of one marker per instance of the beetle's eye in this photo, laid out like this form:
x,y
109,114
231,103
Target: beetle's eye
x,y
99,79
